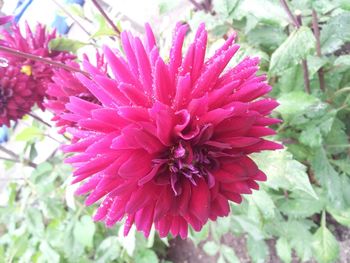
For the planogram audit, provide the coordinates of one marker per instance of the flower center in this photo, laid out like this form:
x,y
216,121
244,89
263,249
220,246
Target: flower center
x,y
187,162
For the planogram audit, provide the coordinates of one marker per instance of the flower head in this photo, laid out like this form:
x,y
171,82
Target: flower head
x,y
16,94
64,85
168,143
35,43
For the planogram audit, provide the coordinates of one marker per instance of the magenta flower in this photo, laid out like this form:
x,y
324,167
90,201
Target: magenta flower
x,y
16,94
169,143
65,84
5,19
35,43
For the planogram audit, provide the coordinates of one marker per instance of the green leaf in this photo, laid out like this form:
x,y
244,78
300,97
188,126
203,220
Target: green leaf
x,y
29,134
294,103
84,231
284,172
342,216
197,237
211,248
104,29
269,37
335,33
220,227
48,253
108,250
229,254
284,251
35,222
264,203
249,226
66,44
257,249
342,61
328,178
325,246
300,205
269,12
223,7
291,80
42,173
296,47
146,256
298,234
311,136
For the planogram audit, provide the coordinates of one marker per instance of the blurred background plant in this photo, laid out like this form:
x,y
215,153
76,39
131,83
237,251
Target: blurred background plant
x,y
301,213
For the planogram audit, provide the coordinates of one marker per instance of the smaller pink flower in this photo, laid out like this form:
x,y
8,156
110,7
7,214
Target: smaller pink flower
x,y
64,85
16,94
5,19
36,43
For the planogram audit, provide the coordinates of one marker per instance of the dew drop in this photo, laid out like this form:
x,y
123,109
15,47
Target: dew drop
x,y
3,63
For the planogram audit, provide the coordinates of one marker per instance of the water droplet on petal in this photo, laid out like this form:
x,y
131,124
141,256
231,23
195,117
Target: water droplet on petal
x,y
4,62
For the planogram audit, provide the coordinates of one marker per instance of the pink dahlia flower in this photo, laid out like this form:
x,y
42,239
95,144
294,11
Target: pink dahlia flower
x,y
16,94
5,19
36,43
64,85
169,143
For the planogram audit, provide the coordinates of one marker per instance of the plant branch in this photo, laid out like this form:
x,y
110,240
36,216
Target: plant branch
x,y
306,76
104,14
39,119
73,18
297,22
8,152
196,5
16,157
25,55
318,48
290,14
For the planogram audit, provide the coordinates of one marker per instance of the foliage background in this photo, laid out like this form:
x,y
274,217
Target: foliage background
x,y
306,198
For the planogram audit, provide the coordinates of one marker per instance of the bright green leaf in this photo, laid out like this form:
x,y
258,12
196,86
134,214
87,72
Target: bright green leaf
x,y
84,231
146,256
342,61
328,178
35,222
294,103
49,253
29,133
342,216
257,249
284,251
108,250
211,248
264,203
229,254
324,244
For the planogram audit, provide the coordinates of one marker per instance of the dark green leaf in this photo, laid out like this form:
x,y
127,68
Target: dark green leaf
x,y
297,46
335,33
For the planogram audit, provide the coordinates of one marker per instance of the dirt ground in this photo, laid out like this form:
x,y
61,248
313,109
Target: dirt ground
x,y
184,251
